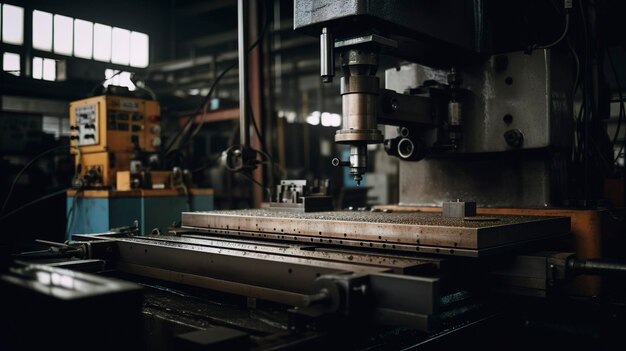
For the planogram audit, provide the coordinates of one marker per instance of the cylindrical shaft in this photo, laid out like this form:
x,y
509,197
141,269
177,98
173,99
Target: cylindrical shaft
x,y
598,266
327,56
358,161
243,12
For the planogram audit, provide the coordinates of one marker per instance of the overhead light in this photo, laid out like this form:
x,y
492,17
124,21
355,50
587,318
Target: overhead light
x,y
314,118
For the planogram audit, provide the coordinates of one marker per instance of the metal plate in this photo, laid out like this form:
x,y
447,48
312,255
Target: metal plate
x,y
389,229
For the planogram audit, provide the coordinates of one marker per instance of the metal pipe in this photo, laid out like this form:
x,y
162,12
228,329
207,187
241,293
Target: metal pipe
x,y
242,42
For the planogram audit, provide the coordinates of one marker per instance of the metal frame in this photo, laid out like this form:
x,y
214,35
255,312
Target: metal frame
x,y
285,274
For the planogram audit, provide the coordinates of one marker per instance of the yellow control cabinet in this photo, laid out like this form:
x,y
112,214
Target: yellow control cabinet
x,y
107,131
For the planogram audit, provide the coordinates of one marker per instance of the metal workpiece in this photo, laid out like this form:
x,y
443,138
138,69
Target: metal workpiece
x,y
459,209
416,231
327,55
300,196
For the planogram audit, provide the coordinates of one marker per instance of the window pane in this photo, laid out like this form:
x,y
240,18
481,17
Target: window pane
x,y
121,79
12,24
42,30
83,38
11,63
121,46
37,67
139,49
63,33
49,69
51,125
101,42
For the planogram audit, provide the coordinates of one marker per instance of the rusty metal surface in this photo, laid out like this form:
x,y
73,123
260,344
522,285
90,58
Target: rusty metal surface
x,y
394,231
260,272
395,263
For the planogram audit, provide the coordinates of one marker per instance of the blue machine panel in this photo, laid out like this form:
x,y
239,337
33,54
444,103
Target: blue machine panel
x,y
99,214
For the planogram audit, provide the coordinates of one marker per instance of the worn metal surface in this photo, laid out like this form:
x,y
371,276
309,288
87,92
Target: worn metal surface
x,y
538,102
396,263
491,181
384,228
288,274
442,20
393,248
537,98
261,271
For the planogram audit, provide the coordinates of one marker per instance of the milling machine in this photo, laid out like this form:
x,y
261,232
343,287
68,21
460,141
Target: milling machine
x,y
474,116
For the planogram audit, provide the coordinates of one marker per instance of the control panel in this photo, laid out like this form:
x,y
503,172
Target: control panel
x,y
111,132
85,125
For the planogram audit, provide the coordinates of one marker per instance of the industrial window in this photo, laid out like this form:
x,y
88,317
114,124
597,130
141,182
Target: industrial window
x,y
44,68
117,78
11,63
83,38
63,35
102,42
121,46
67,36
58,126
139,49
42,30
12,24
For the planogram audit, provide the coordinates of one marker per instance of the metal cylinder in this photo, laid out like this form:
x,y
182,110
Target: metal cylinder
x,y
359,98
242,42
327,56
358,161
455,117
455,121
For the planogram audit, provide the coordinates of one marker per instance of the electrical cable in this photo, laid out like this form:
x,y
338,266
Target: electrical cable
x,y
204,105
254,181
93,91
622,109
19,174
45,197
557,41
